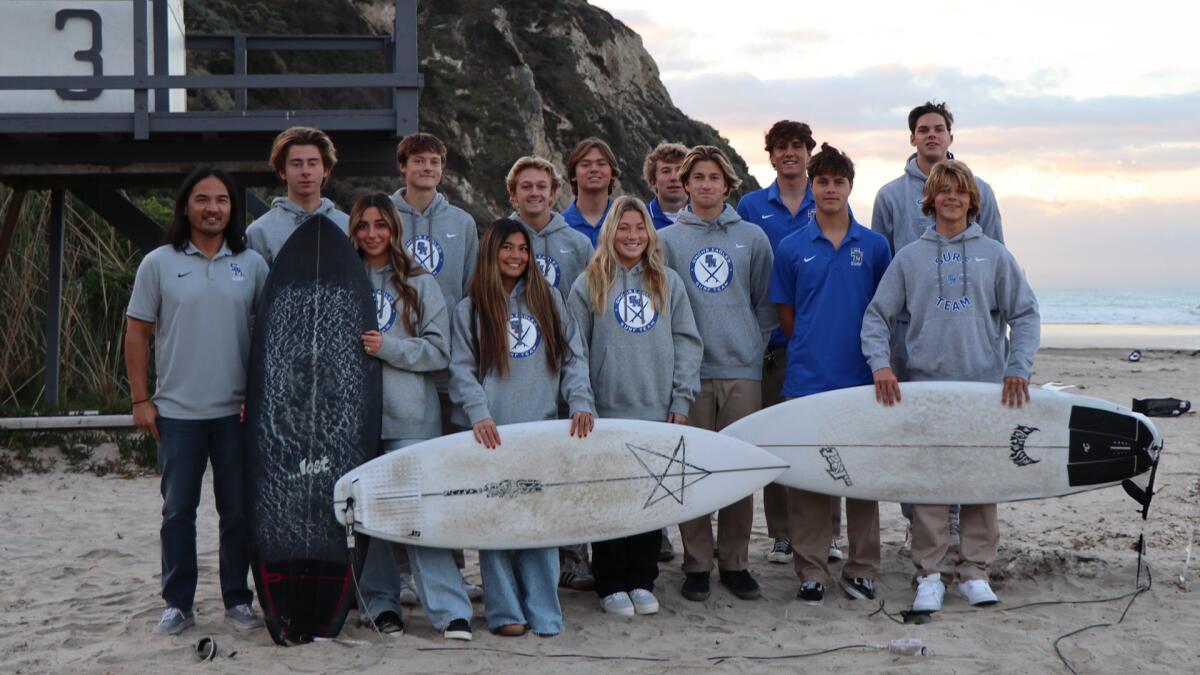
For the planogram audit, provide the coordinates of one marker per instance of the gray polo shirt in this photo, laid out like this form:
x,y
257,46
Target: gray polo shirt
x,y
201,313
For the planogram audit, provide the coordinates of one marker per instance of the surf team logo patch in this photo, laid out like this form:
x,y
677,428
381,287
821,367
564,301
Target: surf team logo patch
x,y
524,335
236,269
712,270
856,257
385,309
634,311
428,252
549,267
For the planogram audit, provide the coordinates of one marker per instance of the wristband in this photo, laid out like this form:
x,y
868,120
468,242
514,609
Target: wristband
x,y
140,402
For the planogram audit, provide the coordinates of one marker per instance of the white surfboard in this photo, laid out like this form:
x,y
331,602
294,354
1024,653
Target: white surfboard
x,y
952,443
542,487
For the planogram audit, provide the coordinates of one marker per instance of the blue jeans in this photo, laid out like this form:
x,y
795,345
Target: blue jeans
x,y
521,586
184,450
438,581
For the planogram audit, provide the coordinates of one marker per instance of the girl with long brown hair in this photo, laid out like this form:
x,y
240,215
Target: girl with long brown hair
x,y
515,350
413,342
644,353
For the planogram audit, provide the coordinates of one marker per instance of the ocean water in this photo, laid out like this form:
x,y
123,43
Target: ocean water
x,y
1132,307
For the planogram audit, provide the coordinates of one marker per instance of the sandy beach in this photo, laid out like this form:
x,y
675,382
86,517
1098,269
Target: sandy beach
x,y
79,587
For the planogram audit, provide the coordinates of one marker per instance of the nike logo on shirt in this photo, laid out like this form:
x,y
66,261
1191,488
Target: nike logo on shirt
x,y
810,258
768,215
741,245
980,259
183,274
563,250
451,236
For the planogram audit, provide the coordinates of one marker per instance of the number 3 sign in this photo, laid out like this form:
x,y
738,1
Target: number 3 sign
x,y
90,55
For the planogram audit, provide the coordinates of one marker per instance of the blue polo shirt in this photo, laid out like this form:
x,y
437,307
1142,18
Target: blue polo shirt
x,y
829,290
581,225
660,218
765,208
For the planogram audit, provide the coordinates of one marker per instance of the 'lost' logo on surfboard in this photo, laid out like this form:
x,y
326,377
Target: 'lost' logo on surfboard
x,y
314,467
1016,446
837,470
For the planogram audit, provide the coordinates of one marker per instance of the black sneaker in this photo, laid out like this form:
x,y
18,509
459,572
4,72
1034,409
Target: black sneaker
x,y
859,588
781,552
812,592
696,586
741,584
458,629
388,622
666,553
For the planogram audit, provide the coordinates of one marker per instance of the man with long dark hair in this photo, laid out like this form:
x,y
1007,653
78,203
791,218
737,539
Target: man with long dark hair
x,y
195,296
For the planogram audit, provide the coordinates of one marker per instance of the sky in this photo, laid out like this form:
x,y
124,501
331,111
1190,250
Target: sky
x,y
1084,117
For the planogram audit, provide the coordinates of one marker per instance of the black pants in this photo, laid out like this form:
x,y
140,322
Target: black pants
x,y
627,563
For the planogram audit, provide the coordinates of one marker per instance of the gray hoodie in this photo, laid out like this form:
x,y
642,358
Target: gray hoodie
x,y
443,239
961,295
897,213
529,393
645,362
410,401
268,233
726,268
561,253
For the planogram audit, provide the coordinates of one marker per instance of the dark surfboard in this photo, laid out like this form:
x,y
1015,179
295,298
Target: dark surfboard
x,y
312,414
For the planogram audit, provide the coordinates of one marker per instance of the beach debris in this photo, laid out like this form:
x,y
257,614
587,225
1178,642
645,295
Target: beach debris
x,y
908,647
1057,386
1135,356
1161,407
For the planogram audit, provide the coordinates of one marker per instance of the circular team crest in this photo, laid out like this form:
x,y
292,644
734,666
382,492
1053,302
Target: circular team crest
x,y
549,267
634,311
385,309
712,269
524,336
426,251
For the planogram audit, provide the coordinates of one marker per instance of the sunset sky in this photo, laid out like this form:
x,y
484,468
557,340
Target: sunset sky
x,y
1083,116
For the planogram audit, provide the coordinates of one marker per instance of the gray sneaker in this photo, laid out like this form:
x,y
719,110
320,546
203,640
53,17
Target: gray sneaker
x,y
174,621
408,591
243,617
474,591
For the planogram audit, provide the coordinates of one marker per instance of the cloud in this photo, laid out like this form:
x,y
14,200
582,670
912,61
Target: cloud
x,y
1141,244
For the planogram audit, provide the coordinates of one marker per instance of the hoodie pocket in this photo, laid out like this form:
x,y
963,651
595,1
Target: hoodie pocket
x,y
957,348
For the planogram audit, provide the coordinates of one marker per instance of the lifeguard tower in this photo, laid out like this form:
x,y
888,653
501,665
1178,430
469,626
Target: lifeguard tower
x,y
93,98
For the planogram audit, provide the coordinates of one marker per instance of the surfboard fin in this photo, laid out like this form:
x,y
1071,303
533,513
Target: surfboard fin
x,y
1142,495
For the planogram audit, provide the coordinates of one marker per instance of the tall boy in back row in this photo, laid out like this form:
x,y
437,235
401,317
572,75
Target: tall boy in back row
x,y
900,217
825,275
784,207
963,293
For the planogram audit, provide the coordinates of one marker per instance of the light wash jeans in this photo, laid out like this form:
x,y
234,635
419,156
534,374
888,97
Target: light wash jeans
x,y
438,581
521,586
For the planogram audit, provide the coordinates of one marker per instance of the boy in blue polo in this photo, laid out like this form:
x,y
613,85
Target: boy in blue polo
x,y
592,172
824,277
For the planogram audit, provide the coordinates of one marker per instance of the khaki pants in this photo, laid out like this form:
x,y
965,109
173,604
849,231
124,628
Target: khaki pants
x,y
720,403
810,515
979,532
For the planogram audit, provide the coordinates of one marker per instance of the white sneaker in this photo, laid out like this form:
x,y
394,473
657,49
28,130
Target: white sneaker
x,y
930,591
978,593
618,603
243,617
644,601
835,553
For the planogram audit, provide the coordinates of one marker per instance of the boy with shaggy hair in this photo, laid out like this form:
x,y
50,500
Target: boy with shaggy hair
x,y
592,172
303,158
964,293
661,171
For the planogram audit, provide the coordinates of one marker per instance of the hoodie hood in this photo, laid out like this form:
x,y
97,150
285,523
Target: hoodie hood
x,y
561,252
438,204
270,232
325,208
727,217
